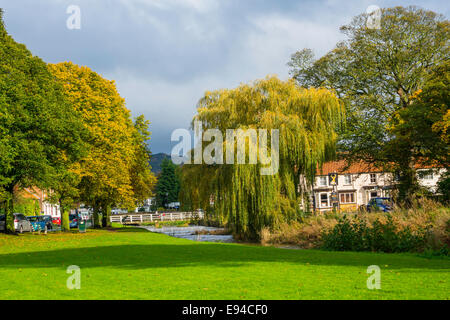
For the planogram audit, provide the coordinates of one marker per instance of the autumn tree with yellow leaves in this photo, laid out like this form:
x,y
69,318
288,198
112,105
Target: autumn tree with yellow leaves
x,y
244,199
115,170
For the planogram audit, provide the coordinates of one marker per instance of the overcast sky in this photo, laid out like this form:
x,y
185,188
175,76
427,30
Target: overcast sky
x,y
164,54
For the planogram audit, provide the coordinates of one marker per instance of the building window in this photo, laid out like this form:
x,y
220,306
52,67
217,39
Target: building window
x,y
373,178
348,179
426,175
324,200
323,181
347,197
373,194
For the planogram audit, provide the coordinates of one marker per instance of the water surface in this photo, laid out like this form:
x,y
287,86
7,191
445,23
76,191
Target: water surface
x,y
189,233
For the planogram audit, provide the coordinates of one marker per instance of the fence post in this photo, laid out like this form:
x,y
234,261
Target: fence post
x,y
151,217
171,218
121,218
141,218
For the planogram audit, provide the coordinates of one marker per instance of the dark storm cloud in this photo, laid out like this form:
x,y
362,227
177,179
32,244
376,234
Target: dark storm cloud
x,y
164,54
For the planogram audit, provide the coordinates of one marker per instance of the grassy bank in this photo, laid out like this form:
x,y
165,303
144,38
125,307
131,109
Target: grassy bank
x,y
130,263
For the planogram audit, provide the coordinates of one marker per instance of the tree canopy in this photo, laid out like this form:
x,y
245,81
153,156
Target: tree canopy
x,y
40,131
377,73
244,198
115,170
425,124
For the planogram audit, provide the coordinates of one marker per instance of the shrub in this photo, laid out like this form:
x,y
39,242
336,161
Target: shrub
x,y
444,187
425,226
380,236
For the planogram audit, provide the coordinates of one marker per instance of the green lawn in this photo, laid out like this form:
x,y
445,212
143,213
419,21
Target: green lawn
x,y
132,263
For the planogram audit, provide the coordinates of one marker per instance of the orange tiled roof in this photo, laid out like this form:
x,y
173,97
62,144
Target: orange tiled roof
x,y
339,166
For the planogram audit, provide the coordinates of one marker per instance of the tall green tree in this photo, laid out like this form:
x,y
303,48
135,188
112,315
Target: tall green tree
x,y
376,72
244,198
426,122
142,179
40,131
422,129
168,184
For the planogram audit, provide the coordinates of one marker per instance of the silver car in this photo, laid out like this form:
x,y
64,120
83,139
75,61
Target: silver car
x,y
21,223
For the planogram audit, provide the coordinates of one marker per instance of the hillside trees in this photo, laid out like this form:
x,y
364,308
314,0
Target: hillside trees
x,y
168,185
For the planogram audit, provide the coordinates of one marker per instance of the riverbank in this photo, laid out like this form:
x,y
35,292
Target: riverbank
x,y
132,263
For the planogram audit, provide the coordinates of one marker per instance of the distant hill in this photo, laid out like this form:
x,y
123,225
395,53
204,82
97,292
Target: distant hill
x,y
156,161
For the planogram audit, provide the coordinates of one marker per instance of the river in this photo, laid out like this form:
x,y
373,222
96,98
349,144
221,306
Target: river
x,y
190,233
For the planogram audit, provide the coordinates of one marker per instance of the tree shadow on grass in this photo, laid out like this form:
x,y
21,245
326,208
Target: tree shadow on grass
x,y
142,256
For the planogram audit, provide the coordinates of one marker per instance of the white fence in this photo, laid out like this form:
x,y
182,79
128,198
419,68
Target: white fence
x,y
150,217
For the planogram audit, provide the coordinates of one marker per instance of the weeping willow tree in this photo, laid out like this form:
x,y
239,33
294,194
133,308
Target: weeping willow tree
x,y
242,197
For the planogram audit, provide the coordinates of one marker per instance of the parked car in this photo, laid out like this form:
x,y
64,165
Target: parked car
x,y
48,221
2,222
42,223
56,221
381,204
36,223
73,220
21,223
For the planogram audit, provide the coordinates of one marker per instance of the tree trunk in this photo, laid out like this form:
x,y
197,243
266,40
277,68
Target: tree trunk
x,y
106,215
9,215
408,182
9,210
65,222
96,217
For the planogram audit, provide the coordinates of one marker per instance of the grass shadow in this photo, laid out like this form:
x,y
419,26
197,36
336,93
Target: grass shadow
x,y
142,256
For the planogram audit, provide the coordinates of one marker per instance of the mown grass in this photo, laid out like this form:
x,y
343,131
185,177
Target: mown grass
x,y
131,263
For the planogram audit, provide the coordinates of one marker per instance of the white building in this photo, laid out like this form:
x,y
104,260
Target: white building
x,y
147,205
359,183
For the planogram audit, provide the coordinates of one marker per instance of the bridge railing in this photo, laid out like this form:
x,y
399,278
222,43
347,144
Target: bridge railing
x,y
151,217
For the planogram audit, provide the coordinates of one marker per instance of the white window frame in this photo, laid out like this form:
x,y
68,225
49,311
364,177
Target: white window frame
x,y
345,196
373,175
320,200
320,181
